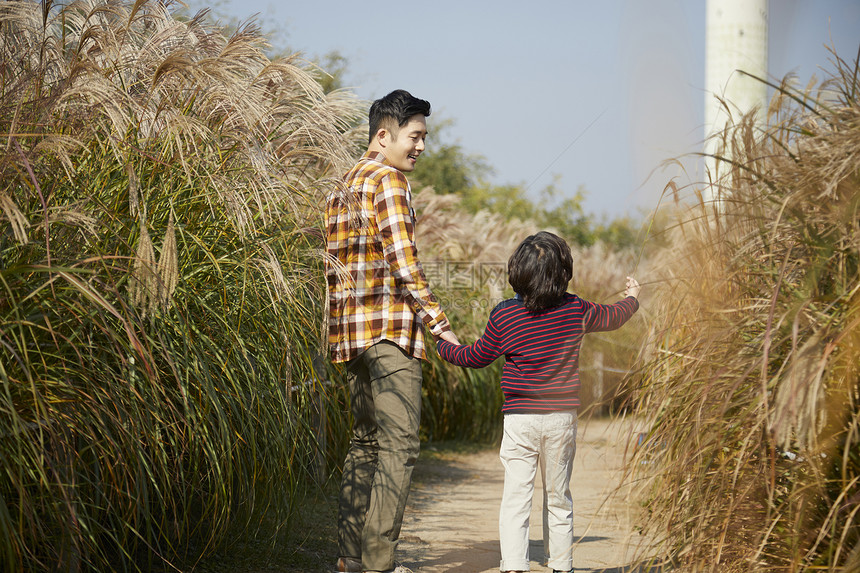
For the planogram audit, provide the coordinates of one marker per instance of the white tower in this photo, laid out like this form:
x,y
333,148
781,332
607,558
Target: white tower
x,y
735,39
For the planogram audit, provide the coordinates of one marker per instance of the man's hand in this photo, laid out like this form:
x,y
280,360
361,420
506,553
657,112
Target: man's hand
x,y
632,288
449,336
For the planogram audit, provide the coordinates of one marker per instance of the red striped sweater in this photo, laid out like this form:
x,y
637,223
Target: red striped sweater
x,y
541,372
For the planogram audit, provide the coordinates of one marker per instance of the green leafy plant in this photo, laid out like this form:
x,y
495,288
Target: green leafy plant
x,y
159,284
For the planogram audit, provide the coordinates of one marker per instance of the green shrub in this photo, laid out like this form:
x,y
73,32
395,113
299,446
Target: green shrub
x,y
159,284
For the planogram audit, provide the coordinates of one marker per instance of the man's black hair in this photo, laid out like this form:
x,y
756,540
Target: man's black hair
x,y
540,270
398,106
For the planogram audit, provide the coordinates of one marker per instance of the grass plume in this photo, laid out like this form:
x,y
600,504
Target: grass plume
x,y
753,387
156,395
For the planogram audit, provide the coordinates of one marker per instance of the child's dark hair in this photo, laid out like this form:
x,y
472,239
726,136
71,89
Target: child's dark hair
x,y
397,107
540,270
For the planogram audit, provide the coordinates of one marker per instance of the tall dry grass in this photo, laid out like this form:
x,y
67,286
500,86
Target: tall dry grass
x,y
753,390
159,283
161,300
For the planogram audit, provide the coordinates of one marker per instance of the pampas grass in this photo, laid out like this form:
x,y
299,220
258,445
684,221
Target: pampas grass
x,y
159,285
752,390
162,386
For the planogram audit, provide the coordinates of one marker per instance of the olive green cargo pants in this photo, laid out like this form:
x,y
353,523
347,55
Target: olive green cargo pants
x,y
385,394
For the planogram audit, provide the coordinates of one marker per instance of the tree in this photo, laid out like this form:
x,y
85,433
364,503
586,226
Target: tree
x,y
446,167
332,69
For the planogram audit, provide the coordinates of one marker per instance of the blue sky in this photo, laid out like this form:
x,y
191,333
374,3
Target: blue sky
x,y
596,94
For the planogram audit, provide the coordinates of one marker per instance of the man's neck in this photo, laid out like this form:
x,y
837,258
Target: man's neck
x,y
374,147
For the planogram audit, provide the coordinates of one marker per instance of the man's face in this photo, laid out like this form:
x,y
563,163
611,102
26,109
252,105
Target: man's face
x,y
404,145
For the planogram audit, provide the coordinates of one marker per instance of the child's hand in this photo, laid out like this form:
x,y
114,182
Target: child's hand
x,y
632,288
449,336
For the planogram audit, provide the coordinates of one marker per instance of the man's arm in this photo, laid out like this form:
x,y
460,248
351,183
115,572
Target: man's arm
x,y
396,226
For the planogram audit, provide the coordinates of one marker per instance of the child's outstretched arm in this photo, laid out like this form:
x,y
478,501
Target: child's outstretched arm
x,y
603,317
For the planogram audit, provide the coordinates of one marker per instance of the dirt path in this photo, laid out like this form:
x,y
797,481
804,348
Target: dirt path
x,y
451,522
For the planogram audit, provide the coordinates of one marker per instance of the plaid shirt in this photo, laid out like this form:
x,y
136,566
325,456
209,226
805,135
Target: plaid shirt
x,y
376,285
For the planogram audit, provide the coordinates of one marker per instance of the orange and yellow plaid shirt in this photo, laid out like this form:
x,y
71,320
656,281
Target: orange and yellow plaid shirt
x,y
376,286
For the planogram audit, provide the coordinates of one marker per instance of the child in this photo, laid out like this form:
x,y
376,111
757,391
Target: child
x,y
539,332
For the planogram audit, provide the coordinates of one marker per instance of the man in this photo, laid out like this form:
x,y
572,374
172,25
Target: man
x,y
379,303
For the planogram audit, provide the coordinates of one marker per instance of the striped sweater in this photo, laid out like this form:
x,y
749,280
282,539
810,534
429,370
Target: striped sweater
x,y
541,372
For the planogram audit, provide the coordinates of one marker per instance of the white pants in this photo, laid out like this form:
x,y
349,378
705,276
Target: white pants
x,y
529,440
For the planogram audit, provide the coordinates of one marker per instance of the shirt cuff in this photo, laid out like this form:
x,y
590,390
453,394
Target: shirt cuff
x,y
440,326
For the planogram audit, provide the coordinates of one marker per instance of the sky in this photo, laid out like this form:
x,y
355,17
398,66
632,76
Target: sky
x,y
586,95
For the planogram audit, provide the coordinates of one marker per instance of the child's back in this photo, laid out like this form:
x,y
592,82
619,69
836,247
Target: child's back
x,y
541,350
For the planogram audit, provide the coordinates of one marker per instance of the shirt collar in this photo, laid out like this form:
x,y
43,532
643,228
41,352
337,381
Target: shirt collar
x,y
377,156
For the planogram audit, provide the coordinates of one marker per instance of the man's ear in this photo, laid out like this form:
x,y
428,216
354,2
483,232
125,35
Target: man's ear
x,y
382,137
